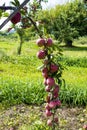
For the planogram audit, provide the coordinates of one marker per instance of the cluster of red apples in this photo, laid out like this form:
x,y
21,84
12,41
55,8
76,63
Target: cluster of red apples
x,y
51,87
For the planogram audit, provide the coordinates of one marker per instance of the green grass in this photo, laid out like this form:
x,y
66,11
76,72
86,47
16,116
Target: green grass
x,y
76,76
15,90
75,91
20,80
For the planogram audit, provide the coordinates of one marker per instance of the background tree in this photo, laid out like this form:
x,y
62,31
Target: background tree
x,y
66,22
28,19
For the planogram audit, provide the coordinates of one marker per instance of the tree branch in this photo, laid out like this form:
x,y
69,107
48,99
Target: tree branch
x,y
7,8
15,11
34,23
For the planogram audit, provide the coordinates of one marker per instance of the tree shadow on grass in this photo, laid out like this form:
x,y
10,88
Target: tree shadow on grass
x,y
74,48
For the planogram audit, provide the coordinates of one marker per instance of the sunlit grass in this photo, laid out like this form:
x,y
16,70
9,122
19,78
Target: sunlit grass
x,y
20,80
76,77
76,52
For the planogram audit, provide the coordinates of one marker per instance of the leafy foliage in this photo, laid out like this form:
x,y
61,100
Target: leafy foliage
x,y
0,13
66,22
28,18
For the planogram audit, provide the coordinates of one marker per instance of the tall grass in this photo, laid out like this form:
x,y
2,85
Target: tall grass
x,y
73,61
15,91
75,91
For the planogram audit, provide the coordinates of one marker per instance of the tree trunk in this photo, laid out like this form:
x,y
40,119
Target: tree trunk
x,y
69,43
20,47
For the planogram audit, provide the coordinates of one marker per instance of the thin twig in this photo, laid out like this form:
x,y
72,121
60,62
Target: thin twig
x,y
15,11
34,23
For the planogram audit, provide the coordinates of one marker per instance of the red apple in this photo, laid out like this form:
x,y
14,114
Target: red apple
x,y
47,89
52,104
47,106
55,95
41,54
45,72
45,75
15,19
50,81
49,122
56,90
58,103
48,112
85,127
53,68
11,128
40,42
56,119
49,42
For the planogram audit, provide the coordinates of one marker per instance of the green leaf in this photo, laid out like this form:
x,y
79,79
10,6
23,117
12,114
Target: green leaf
x,y
40,67
15,3
5,14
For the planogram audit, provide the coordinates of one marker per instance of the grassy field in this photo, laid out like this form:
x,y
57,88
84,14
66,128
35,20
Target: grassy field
x,y
22,93
21,81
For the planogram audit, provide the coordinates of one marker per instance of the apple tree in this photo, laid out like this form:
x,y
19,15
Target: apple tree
x,y
27,20
65,22
51,68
